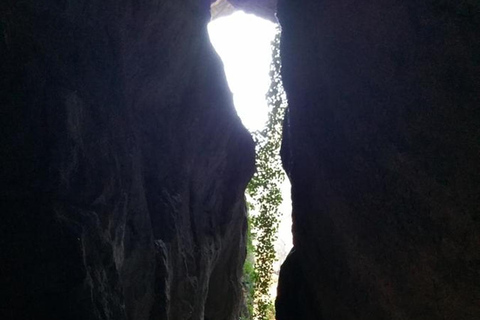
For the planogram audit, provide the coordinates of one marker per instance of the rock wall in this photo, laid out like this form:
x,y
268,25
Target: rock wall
x,y
382,148
123,164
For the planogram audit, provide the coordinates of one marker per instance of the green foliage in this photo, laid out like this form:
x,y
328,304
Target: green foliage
x,y
249,275
264,191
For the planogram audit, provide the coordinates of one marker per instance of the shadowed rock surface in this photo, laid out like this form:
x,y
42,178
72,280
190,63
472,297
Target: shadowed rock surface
x,y
381,144
123,164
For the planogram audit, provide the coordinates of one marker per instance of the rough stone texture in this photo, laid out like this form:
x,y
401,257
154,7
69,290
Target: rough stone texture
x,y
263,8
221,8
123,164
382,145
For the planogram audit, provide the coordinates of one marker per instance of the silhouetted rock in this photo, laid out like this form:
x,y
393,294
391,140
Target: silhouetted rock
x,y
123,164
381,144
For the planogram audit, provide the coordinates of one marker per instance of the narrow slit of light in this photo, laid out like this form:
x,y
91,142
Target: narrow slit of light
x,y
243,41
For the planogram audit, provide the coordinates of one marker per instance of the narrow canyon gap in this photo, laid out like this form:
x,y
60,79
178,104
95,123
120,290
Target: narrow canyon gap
x,y
123,162
246,43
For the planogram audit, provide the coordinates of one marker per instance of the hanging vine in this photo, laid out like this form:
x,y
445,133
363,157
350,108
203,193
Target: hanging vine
x,y
265,193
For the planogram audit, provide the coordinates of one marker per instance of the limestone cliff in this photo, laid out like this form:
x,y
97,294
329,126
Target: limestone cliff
x,y
123,164
381,144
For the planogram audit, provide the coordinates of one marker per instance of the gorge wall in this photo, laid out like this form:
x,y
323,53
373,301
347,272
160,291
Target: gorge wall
x,y
382,146
123,164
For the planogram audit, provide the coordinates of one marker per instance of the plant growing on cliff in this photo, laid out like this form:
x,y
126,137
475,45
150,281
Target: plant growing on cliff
x,y
249,274
264,191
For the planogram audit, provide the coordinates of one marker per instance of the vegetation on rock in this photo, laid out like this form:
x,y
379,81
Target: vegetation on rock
x,y
265,196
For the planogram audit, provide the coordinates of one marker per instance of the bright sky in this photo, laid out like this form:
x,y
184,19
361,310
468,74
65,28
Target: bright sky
x,y
243,41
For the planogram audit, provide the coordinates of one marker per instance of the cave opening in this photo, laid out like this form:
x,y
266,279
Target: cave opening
x,y
249,48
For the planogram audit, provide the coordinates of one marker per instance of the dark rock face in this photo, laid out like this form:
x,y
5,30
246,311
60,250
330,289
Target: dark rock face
x,y
382,147
123,164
